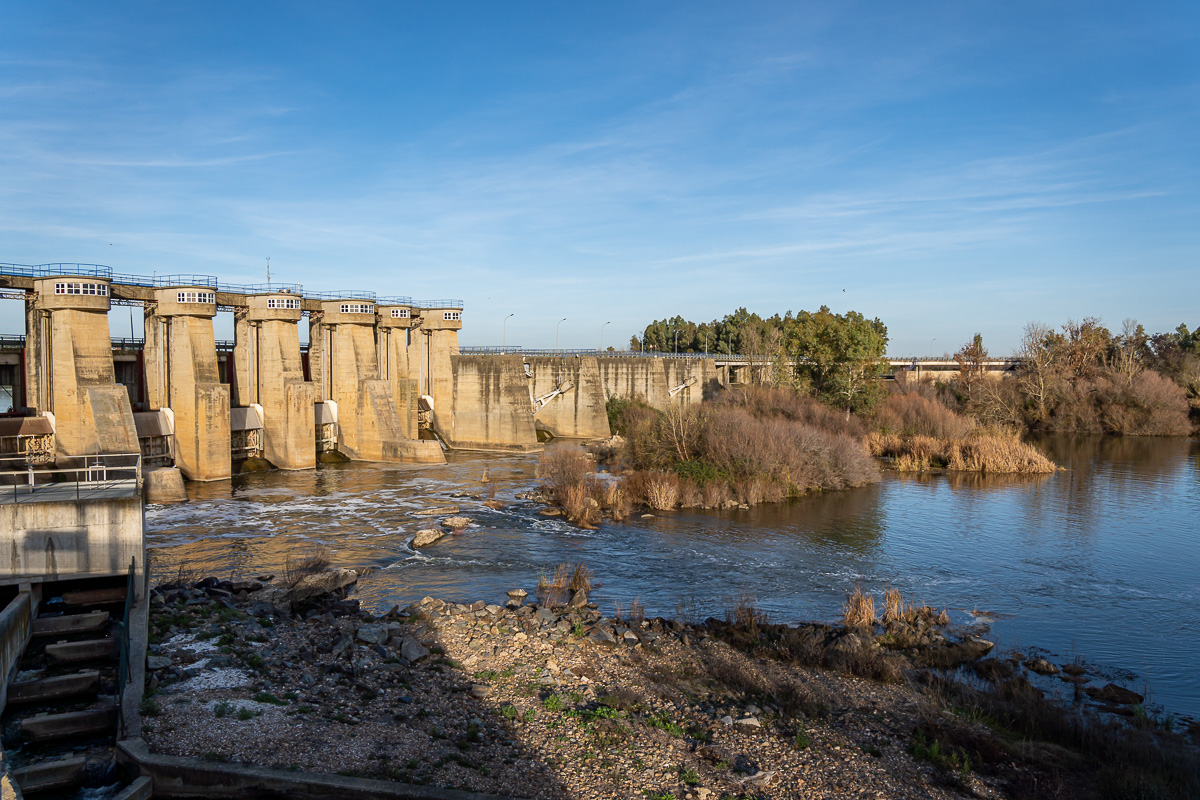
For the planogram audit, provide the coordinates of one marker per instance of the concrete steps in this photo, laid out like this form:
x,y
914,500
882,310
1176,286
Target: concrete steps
x,y
59,773
60,687
76,652
71,725
69,624
95,597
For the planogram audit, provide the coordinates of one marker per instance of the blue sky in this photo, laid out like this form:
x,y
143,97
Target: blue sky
x,y
948,167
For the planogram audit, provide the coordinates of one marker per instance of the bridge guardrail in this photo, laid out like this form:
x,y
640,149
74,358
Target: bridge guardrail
x,y
98,472
350,294
438,304
398,300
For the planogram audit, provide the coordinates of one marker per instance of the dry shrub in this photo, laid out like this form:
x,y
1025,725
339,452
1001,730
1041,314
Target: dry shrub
x,y
617,501
744,616
893,606
581,578
662,491
788,404
316,562
859,610
690,494
579,501
560,467
911,414
715,494
553,591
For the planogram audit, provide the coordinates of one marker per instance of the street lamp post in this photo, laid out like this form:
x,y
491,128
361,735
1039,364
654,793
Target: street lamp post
x,y
602,335
504,332
560,322
931,341
677,340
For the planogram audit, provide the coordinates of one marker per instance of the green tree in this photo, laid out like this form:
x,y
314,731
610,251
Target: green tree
x,y
839,356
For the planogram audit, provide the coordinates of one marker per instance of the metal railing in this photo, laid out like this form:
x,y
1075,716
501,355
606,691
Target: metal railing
x,y
437,304
124,674
350,294
110,471
166,281
50,270
260,288
394,301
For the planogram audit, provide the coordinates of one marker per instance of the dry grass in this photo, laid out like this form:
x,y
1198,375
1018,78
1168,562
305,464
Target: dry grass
x,y
893,606
859,610
567,579
744,616
996,453
316,562
662,491
617,501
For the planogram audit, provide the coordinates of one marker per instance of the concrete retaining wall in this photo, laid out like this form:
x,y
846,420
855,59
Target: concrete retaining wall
x,y
490,406
53,540
577,413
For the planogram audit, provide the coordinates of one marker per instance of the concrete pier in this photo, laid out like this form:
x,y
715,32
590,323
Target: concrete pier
x,y
181,374
269,374
69,367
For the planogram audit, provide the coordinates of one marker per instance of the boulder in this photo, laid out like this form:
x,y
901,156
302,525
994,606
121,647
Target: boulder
x,y
308,587
1041,666
372,634
456,523
413,651
427,537
1117,695
601,636
157,662
579,600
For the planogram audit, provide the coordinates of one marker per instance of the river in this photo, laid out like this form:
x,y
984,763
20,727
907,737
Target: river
x,y
1100,561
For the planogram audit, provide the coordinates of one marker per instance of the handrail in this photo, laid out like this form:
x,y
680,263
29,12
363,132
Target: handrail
x,y
124,673
97,472
394,301
438,304
260,288
353,294
50,270
166,281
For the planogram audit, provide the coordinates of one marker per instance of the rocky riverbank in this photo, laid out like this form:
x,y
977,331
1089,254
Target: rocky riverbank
x,y
556,700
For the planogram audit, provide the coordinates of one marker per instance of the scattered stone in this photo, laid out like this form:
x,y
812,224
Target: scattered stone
x,y
480,691
157,662
750,721
435,512
456,523
579,600
426,537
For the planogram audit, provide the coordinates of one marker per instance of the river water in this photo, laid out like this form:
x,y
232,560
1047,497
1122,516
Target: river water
x,y
1100,561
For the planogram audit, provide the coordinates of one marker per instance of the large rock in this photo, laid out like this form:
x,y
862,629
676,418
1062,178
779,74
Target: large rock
x,y
1118,695
427,537
413,651
307,587
579,600
436,512
456,523
373,634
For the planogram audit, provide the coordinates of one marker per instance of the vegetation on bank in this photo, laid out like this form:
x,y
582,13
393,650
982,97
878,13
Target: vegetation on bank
x,y
1080,378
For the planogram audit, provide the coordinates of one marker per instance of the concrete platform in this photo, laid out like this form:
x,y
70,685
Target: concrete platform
x,y
56,688
75,652
73,724
140,789
92,622
62,773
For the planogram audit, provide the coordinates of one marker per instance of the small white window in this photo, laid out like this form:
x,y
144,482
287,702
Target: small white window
x,y
98,289
399,313
357,308
283,302
197,297
452,315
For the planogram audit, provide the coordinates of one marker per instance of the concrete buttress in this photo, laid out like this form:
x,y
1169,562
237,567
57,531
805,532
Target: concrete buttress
x,y
182,374
270,374
69,367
